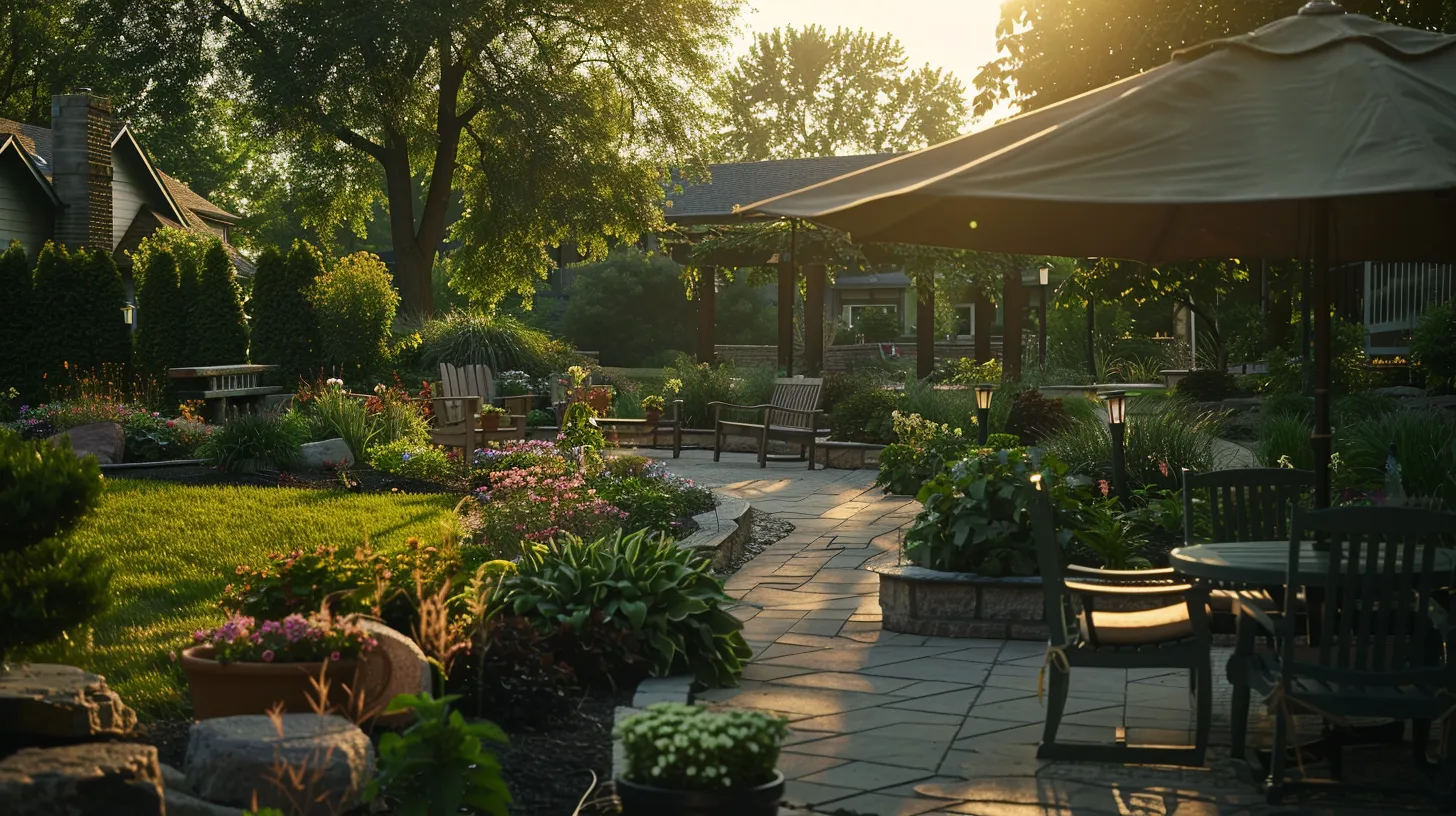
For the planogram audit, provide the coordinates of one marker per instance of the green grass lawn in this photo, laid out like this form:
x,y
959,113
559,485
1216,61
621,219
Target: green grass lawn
x,y
174,548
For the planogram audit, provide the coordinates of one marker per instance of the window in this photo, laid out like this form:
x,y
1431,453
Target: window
x,y
855,313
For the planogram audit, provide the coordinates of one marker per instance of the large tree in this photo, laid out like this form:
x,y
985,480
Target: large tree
x,y
1055,49
807,92
547,116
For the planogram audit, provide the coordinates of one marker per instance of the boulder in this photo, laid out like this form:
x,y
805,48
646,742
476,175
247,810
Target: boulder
x,y
104,440
231,758
185,804
1399,391
394,666
174,780
316,455
98,778
46,702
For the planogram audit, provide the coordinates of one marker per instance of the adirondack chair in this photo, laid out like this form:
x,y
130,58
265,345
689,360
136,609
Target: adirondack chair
x,y
1174,636
792,415
456,420
1385,611
477,381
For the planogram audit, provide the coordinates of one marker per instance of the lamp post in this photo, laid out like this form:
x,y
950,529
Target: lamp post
x,y
1117,424
1044,273
128,313
983,410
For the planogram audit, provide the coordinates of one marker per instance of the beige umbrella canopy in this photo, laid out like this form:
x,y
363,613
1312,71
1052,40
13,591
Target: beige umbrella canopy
x,y
1324,135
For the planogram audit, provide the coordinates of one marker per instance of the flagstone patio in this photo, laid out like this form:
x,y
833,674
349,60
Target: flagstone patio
x,y
887,723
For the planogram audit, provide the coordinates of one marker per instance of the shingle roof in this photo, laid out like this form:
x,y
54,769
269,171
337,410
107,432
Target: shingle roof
x,y
184,196
742,183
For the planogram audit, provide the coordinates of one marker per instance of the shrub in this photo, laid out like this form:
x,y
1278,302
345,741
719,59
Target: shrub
x,y
515,673
161,315
577,429
656,500
355,303
45,588
697,385
1287,403
687,747
629,287
219,330
879,324
539,417
1034,417
499,341
411,460
965,371
439,764
20,366
865,417
248,442
923,449
645,584
1362,405
841,385
1162,437
362,422
101,338
1285,439
953,406
1001,441
285,328
1425,448
536,504
1111,535
503,456
1207,385
56,299
1432,348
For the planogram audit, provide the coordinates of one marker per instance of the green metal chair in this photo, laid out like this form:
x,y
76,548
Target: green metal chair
x,y
1384,613
1173,635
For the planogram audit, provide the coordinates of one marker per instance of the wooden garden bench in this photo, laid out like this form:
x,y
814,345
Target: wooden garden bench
x,y
477,381
1174,636
792,416
220,385
457,424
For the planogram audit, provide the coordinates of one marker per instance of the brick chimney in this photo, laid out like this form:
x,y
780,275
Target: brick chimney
x,y
81,168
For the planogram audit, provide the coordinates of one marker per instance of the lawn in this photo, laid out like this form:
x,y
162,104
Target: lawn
x,y
174,548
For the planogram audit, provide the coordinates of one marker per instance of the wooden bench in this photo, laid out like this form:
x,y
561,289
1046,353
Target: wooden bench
x,y
673,425
792,416
218,385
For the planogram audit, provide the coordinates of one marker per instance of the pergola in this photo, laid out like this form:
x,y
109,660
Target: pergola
x,y
695,210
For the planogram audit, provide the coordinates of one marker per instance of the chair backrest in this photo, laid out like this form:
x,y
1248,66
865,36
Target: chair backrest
x,y
1387,567
468,381
1063,629
799,394
1245,504
455,422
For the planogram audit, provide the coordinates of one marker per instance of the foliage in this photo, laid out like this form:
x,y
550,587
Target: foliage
x,y
1286,403
947,405
923,449
1111,535
503,456
354,303
578,430
1425,448
537,503
19,358
629,287
653,402
1431,345
841,385
1034,417
644,583
1348,372
975,515
656,500
438,765
1207,385
101,335
697,385
218,329
294,639
515,673
1285,438
496,340
689,747
965,371
865,417
47,586
247,442
1162,437
1002,441
150,437
807,92
413,460
744,315
285,327
877,324
362,422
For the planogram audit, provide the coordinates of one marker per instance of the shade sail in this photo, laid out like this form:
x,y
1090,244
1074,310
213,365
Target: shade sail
x,y
1222,152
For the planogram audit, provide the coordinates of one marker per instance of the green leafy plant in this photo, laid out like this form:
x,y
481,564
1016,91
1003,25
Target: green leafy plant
x,y
1003,441
248,442
965,371
923,450
644,583
1285,439
1431,346
161,313
655,501
877,324
285,327
653,402
954,406
498,340
218,330
492,410
354,302
439,764
1111,536
1034,417
1425,448
865,417
1207,385
46,588
698,384
1163,436
411,460
578,430
688,747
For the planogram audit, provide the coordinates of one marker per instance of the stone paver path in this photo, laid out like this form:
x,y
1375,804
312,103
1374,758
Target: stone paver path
x,y
887,723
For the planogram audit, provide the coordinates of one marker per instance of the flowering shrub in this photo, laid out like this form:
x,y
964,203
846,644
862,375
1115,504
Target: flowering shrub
x,y
537,503
412,460
294,639
923,450
150,437
536,453
653,498
688,747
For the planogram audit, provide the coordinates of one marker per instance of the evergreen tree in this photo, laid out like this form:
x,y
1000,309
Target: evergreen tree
x,y
104,337
161,330
285,329
19,368
219,333
57,306
187,286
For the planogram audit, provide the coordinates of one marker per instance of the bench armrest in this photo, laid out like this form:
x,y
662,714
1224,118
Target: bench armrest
x,y
736,406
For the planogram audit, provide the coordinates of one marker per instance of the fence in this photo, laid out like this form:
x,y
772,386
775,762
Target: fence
x,y
1396,295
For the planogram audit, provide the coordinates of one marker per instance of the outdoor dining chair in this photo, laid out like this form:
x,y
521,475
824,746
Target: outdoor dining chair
x,y
1124,633
1385,627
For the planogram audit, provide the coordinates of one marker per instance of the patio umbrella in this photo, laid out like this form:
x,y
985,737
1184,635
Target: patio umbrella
x,y
1325,135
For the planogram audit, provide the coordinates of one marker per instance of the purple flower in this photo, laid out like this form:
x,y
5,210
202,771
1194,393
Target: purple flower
x,y
334,657
267,655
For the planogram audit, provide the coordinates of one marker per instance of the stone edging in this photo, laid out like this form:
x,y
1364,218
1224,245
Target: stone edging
x,y
722,531
920,601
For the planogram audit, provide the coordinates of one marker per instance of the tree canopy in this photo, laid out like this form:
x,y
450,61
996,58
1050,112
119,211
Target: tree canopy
x,y
808,92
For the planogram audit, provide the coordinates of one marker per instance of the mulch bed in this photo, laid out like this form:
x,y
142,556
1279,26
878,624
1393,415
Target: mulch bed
x,y
549,767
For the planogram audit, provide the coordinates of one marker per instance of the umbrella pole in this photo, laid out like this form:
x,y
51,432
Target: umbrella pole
x,y
1321,440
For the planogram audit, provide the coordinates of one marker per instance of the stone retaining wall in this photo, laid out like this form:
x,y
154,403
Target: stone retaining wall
x,y
920,601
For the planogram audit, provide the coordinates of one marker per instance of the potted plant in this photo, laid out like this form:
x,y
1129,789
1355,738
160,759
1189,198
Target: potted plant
x,y
693,761
599,397
490,417
246,666
652,406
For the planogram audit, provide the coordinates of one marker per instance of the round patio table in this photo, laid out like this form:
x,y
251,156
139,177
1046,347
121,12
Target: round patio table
x,y
1266,563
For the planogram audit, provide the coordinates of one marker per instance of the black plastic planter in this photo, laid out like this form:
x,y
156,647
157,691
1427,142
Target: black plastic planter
x,y
645,800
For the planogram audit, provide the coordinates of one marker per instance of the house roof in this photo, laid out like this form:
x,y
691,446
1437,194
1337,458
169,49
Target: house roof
x,y
742,183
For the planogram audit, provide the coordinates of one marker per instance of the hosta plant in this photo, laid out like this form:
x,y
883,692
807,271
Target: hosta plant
x,y
687,747
662,593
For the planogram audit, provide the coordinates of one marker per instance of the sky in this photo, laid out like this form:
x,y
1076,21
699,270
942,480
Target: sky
x,y
958,35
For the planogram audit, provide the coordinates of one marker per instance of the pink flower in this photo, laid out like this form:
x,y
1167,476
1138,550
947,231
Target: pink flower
x,y
1163,467
1103,486
267,655
334,657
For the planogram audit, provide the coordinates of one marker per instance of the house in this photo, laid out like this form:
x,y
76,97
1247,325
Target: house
x,y
86,181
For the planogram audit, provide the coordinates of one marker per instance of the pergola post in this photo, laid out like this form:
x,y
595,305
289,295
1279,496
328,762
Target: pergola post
x,y
786,315
1013,301
985,316
814,319
707,312
925,326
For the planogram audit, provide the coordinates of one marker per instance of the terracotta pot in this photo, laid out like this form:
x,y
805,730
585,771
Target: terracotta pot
x,y
654,416
490,422
226,689
645,800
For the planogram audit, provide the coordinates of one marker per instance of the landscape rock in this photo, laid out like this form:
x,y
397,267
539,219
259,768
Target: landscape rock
x,y
92,779
47,701
315,455
174,780
395,666
104,440
230,758
1400,391
185,804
